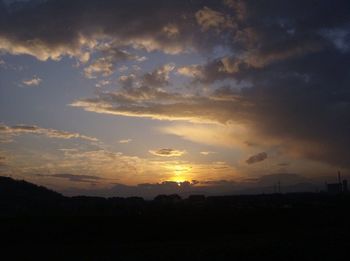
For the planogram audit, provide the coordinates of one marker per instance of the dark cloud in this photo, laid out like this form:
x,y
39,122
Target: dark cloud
x,y
11,131
257,158
167,152
74,178
159,77
151,190
50,29
110,57
289,182
283,164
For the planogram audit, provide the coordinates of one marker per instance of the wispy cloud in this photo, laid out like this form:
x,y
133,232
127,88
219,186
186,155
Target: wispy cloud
x,y
167,152
35,81
206,153
125,141
15,130
72,177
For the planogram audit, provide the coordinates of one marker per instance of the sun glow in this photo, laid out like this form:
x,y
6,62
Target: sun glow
x,y
180,173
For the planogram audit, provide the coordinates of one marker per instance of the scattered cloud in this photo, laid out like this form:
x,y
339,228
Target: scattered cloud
x,y
257,158
35,81
208,18
125,141
206,153
167,152
159,77
106,64
102,83
123,68
15,130
193,71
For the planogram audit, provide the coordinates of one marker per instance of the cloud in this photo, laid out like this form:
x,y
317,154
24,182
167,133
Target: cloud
x,y
159,77
35,81
208,18
123,68
102,83
73,178
290,182
3,161
106,64
206,153
125,141
193,71
167,152
257,158
15,130
127,81
283,164
149,102
291,101
161,25
92,160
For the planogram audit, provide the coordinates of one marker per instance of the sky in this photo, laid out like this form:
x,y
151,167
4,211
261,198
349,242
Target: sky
x,y
122,98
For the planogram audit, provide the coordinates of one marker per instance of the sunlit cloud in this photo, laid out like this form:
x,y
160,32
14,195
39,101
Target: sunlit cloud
x,y
124,141
15,130
35,81
106,65
207,153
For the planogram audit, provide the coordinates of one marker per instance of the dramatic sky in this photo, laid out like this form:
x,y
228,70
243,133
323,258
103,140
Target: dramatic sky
x,y
125,97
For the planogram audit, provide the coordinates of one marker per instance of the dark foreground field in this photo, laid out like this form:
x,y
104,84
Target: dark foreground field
x,y
285,227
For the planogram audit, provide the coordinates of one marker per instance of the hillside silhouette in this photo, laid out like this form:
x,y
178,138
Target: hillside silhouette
x,y
21,189
48,226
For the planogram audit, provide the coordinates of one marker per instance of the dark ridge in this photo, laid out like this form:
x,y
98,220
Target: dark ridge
x,y
21,189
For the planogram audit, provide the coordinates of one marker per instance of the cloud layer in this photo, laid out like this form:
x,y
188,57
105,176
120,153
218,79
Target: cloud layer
x,y
8,132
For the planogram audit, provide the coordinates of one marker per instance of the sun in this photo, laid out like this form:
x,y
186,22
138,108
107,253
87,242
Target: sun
x,y
180,173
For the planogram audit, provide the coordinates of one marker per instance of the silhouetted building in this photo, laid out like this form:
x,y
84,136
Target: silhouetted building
x,y
334,188
340,187
345,185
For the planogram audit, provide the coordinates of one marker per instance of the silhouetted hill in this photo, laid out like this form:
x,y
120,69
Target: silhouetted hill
x,y
20,189
21,198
